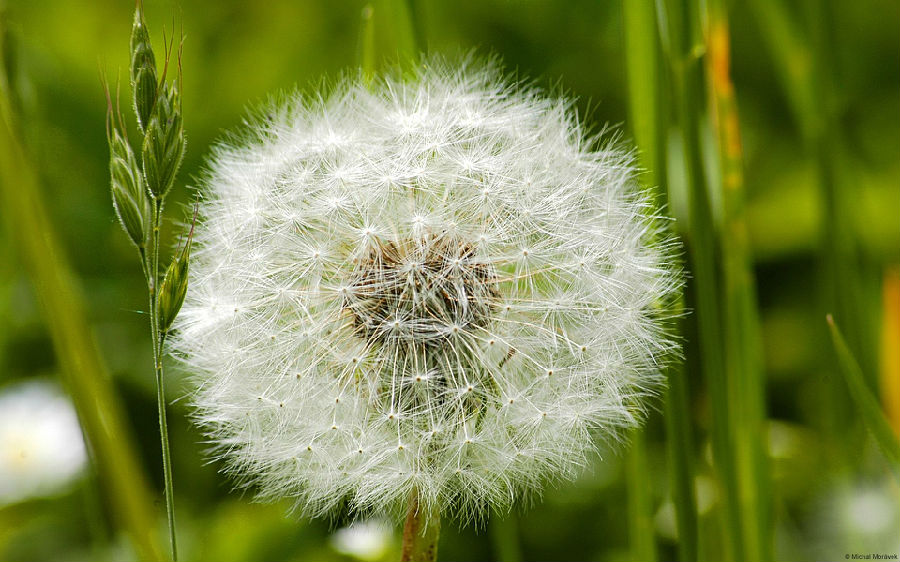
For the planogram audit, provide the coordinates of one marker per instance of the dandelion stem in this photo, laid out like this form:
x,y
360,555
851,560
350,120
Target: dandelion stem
x,y
420,532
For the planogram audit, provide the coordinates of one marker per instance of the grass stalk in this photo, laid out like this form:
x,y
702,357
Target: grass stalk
x,y
366,54
839,255
803,57
742,330
84,373
647,80
158,337
389,34
640,501
686,49
864,400
505,538
680,450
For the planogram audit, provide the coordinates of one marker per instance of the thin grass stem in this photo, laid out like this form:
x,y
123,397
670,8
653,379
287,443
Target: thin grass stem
x,y
742,331
505,538
647,80
864,400
84,373
158,341
640,501
685,52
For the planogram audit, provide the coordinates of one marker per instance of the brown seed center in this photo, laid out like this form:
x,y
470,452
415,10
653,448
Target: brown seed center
x,y
421,290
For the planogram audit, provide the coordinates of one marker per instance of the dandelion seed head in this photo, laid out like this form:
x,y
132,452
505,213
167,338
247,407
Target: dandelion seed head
x,y
435,282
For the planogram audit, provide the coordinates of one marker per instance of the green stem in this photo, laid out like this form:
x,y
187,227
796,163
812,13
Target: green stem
x,y
865,401
742,330
420,532
647,81
640,501
505,538
82,368
158,341
686,50
680,450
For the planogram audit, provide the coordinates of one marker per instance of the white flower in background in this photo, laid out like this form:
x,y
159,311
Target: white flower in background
x,y
856,517
41,446
365,540
436,284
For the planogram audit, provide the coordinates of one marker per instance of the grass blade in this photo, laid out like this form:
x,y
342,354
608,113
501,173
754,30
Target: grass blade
x,y
640,501
803,57
504,530
685,49
84,374
366,48
742,330
865,402
649,124
394,33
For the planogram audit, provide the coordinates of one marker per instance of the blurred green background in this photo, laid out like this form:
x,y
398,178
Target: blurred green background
x,y
831,491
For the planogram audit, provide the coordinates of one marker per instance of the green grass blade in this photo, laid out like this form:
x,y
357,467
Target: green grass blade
x,y
84,373
645,95
366,53
804,58
743,349
680,451
649,125
840,254
394,36
864,400
701,240
640,501
505,537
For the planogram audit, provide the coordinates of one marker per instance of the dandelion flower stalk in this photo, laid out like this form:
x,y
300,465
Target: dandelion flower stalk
x,y
139,192
429,294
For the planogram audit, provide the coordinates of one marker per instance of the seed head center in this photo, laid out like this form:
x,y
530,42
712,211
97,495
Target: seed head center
x,y
420,290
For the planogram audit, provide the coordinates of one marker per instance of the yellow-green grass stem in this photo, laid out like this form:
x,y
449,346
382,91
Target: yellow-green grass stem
x,y
743,348
640,501
864,400
388,35
685,51
153,282
803,57
648,118
504,530
84,373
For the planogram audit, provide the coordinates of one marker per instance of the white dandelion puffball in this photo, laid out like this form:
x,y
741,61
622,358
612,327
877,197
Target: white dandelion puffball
x,y
433,284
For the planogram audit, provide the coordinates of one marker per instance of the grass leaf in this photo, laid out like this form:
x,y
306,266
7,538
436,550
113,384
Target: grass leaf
x,y
864,400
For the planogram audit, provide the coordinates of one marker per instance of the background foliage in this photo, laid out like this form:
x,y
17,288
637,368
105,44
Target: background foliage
x,y
803,71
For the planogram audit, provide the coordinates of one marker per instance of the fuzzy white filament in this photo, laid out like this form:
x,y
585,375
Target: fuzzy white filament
x,y
431,283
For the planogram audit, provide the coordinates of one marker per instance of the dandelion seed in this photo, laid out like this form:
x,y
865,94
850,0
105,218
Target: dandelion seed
x,y
474,245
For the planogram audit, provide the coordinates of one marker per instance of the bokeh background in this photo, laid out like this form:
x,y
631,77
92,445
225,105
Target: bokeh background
x,y
832,492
